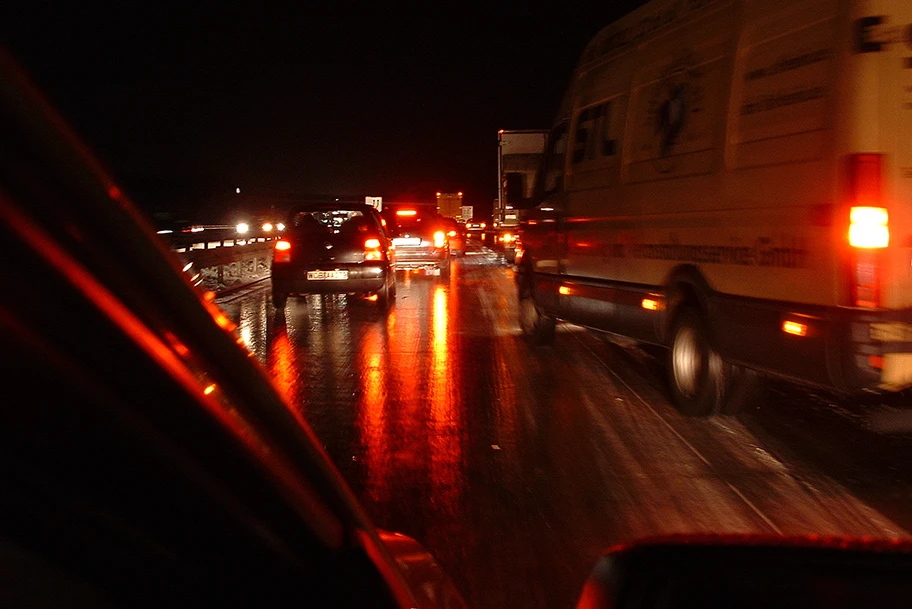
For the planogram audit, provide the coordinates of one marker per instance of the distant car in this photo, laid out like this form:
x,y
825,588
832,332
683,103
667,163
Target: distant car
x,y
456,235
476,229
420,238
333,248
508,242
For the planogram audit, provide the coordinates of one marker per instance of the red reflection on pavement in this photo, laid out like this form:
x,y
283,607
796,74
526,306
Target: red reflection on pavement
x,y
373,422
445,422
283,369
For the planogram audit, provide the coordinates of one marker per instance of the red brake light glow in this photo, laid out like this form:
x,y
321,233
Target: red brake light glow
x,y
282,251
869,227
439,239
406,212
372,250
869,230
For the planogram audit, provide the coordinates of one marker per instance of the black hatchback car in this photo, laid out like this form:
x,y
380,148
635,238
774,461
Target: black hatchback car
x,y
333,248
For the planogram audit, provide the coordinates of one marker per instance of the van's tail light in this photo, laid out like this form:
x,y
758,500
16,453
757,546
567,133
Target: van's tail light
x,y
439,239
282,251
452,233
372,250
869,227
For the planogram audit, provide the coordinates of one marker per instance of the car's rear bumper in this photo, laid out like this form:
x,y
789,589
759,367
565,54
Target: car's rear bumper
x,y
362,278
414,258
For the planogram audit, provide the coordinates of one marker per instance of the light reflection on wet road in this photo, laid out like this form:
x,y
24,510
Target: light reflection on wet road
x,y
516,466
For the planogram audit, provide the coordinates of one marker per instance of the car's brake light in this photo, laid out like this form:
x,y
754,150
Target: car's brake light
x,y
452,233
406,212
507,238
439,239
372,250
869,227
282,251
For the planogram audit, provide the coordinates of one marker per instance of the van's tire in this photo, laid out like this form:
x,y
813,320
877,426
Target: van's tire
x,y
279,299
536,325
699,378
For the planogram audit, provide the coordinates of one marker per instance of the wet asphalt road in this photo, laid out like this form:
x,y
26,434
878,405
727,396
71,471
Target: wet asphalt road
x,y
516,466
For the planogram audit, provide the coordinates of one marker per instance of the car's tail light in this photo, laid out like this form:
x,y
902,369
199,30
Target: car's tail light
x,y
406,212
372,250
452,233
869,227
439,239
282,251
508,238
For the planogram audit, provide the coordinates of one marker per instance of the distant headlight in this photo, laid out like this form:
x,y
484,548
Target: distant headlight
x,y
267,227
280,226
242,228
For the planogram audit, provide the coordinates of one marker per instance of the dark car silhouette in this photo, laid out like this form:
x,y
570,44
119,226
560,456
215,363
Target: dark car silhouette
x,y
333,248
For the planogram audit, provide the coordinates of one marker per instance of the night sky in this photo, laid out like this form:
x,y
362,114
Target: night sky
x,y
183,107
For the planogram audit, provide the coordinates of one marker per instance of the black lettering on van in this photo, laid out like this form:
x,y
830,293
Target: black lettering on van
x,y
763,253
864,34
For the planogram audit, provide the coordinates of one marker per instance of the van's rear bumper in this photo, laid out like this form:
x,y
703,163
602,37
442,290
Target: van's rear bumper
x,y
844,348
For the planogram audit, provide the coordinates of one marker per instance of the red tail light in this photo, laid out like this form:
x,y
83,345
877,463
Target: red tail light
x,y
372,250
439,239
282,251
869,229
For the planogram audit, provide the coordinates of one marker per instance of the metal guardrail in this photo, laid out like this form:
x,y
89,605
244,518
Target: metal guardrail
x,y
224,258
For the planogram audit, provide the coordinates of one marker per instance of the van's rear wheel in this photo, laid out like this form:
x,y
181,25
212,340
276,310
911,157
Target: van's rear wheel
x,y
698,374
279,299
536,325
702,383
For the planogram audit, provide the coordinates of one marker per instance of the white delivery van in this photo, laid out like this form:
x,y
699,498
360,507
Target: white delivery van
x,y
733,179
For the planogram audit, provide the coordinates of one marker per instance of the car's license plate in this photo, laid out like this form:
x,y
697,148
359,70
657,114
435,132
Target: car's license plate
x,y
407,241
321,275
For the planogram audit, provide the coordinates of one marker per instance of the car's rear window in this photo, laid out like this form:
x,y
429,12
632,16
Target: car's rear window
x,y
335,220
405,220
